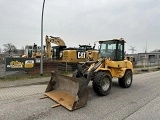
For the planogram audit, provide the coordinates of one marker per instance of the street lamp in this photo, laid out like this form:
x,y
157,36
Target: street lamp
x,y
41,63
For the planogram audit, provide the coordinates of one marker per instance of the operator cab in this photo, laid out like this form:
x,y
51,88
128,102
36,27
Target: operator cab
x,y
113,49
30,50
35,48
57,52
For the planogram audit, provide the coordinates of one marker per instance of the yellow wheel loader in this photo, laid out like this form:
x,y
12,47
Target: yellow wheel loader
x,y
72,92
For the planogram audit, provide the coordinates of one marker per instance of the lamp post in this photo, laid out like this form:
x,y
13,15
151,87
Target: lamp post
x,y
41,63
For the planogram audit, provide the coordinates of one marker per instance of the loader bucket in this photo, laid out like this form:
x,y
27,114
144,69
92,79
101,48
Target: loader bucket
x,y
70,92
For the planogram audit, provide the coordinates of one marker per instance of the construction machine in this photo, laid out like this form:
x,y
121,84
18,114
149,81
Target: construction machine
x,y
72,92
71,55
79,55
32,51
91,52
54,51
132,59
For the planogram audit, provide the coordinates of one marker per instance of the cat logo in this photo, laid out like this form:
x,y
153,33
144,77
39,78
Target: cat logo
x,y
81,55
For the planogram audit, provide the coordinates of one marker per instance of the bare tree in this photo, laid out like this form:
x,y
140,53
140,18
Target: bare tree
x,y
9,48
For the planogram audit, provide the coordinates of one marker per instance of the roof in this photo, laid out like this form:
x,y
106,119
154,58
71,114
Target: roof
x,y
85,45
121,39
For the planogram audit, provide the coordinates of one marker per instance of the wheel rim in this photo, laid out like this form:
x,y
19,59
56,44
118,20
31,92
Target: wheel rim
x,y
128,80
105,84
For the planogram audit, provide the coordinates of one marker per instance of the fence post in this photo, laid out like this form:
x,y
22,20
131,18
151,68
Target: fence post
x,y
66,65
5,67
158,63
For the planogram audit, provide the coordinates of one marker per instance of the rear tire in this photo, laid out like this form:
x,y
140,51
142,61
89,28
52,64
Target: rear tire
x,y
102,83
126,80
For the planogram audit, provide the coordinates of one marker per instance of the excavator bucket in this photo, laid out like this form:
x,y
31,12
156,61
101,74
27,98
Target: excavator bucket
x,y
70,92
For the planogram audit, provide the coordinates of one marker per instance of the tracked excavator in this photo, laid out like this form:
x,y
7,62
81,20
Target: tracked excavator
x,y
72,92
54,51
71,55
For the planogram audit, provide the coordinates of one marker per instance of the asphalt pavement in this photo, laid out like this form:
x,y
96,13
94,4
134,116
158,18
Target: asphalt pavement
x,y
24,82
139,102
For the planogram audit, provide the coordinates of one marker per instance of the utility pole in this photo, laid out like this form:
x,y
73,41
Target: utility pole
x,y
41,63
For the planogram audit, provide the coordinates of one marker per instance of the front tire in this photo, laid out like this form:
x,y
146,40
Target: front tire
x,y
126,80
102,83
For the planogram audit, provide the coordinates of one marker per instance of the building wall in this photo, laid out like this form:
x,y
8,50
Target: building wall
x,y
151,58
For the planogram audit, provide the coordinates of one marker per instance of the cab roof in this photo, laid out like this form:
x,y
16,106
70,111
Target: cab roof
x,y
121,39
85,45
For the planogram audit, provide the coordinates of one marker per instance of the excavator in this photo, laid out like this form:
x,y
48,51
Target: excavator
x,y
72,92
54,51
32,51
71,55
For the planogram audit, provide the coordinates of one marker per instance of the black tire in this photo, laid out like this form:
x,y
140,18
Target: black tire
x,y
126,80
102,83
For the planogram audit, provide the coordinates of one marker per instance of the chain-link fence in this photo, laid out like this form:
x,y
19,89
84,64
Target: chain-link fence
x,y
48,66
3,73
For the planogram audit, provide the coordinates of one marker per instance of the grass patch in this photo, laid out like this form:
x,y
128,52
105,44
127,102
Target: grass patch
x,y
66,72
149,70
141,66
23,76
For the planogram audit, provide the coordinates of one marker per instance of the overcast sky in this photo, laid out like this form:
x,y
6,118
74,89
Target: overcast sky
x,y
81,22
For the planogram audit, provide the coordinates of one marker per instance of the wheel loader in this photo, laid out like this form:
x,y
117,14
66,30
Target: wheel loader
x,y
72,92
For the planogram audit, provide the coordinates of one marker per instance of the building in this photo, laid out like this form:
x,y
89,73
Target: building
x,y
151,57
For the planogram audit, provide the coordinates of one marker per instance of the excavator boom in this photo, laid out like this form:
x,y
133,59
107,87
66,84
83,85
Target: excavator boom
x,y
55,40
